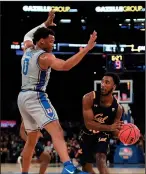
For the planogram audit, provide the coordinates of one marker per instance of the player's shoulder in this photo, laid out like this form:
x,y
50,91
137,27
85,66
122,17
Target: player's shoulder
x,y
90,94
29,51
88,99
46,55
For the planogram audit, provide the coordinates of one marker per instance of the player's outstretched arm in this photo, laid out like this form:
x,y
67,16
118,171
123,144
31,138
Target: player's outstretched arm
x,y
89,115
28,38
49,60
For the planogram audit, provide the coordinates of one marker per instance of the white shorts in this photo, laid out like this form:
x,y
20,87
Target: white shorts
x,y
36,110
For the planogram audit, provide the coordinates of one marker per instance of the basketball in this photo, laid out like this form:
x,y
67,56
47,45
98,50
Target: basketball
x,y
129,134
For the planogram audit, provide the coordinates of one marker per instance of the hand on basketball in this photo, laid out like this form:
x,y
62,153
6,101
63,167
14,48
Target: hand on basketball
x,y
129,134
49,21
91,42
116,126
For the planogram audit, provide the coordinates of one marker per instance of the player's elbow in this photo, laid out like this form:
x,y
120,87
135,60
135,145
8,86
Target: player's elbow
x,y
87,124
61,66
66,67
28,44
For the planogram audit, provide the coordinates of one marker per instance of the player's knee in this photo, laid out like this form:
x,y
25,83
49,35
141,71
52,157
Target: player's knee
x,y
55,129
32,139
58,135
101,160
59,132
45,157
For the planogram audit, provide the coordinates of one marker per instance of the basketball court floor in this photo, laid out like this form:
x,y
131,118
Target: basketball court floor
x,y
119,169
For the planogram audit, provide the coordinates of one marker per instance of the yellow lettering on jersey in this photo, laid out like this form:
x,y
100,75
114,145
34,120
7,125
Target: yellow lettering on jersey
x,y
99,118
102,139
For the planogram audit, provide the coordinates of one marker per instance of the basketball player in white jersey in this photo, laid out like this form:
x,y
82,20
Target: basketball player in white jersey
x,y
35,107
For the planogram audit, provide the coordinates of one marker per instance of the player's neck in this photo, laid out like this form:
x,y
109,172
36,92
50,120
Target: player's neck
x,y
106,100
37,47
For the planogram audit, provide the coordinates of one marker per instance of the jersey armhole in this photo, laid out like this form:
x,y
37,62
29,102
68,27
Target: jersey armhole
x,y
37,61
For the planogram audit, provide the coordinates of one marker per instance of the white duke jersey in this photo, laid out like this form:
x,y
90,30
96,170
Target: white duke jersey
x,y
33,77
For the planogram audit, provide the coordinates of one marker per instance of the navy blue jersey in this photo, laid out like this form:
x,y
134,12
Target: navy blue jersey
x,y
103,115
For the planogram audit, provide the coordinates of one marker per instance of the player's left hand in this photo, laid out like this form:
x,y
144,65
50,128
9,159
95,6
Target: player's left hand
x,y
50,20
116,132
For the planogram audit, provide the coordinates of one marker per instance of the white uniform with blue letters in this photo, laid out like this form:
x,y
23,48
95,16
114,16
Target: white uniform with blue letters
x,y
34,105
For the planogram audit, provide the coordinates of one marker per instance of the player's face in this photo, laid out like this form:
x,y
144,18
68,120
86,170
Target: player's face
x,y
107,85
49,42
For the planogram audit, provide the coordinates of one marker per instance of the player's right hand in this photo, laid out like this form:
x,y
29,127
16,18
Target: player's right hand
x,y
116,126
91,42
50,20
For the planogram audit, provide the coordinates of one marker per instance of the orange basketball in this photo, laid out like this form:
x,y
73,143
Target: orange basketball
x,y
129,134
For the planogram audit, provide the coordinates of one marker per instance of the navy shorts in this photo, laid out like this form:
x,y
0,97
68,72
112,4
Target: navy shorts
x,y
91,145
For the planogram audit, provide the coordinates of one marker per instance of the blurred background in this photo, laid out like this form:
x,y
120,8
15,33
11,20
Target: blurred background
x,y
120,48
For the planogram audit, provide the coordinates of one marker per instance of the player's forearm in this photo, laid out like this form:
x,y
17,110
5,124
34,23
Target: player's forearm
x,y
89,121
29,35
74,60
97,126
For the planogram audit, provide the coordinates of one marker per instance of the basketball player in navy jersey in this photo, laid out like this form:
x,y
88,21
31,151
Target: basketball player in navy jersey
x,y
102,115
43,157
35,107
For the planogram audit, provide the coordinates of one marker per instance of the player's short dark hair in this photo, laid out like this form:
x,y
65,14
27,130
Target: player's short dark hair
x,y
42,33
115,77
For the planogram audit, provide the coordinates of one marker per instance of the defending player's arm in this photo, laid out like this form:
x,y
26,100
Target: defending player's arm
x,y
49,60
22,132
28,38
89,116
118,118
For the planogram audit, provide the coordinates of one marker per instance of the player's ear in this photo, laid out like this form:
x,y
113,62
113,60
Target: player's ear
x,y
42,41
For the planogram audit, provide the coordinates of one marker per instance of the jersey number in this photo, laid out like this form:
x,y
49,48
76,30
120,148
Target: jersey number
x,y
25,66
26,63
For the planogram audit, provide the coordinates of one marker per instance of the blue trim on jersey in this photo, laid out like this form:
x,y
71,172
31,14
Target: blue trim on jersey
x,y
37,61
46,106
41,80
